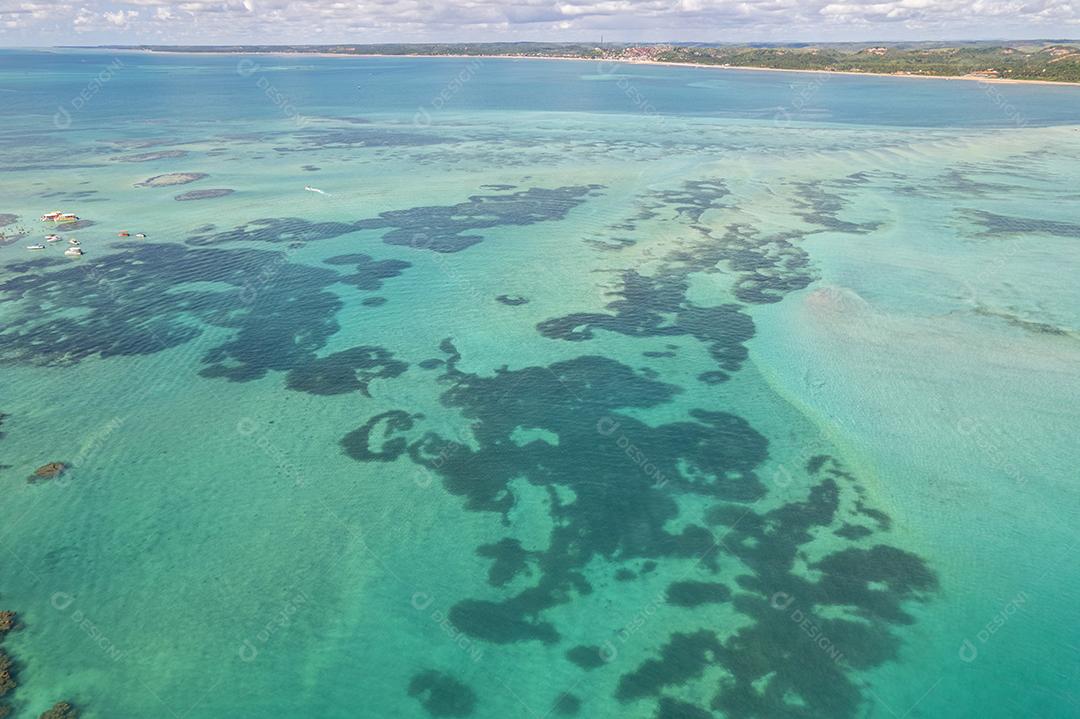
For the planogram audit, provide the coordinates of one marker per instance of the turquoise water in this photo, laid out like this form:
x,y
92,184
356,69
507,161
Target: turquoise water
x,y
574,390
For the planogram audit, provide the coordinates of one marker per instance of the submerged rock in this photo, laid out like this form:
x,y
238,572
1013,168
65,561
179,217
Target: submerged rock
x,y
7,667
149,156
52,470
174,178
10,237
60,710
7,678
204,194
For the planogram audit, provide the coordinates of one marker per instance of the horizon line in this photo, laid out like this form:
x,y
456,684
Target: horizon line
x,y
581,42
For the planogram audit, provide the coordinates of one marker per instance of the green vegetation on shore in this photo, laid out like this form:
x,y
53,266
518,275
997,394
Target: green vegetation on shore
x,y
1050,60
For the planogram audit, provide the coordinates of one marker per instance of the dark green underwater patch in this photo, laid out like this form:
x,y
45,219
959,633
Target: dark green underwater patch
x,y
449,228
586,657
438,228
207,194
147,298
656,307
376,440
370,272
995,225
567,705
350,370
613,505
819,206
694,594
442,695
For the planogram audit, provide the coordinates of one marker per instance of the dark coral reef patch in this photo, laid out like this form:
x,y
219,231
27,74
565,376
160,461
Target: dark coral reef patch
x,y
586,657
450,228
438,228
612,483
172,179
566,705
621,502
274,230
142,299
995,225
370,272
207,194
693,594
820,203
656,307
442,695
350,370
151,156
377,439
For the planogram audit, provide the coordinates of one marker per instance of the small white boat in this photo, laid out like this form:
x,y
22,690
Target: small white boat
x,y
52,238
73,242
141,235
35,247
73,252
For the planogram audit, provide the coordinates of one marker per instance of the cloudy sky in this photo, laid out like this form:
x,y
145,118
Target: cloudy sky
x,y
78,22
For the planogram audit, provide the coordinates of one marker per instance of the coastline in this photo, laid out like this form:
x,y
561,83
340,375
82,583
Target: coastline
x,y
651,63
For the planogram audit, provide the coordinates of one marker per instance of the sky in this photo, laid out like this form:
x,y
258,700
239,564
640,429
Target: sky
x,y
90,22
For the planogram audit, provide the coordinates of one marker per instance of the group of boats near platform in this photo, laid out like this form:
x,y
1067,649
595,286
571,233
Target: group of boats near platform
x,y
73,250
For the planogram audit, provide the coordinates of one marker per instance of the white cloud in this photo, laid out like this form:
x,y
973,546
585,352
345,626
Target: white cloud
x,y
120,18
358,21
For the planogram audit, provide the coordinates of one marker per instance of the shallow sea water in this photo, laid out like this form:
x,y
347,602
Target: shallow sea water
x,y
578,390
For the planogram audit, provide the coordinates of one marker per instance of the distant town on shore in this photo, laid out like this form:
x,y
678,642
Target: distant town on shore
x,y
1046,60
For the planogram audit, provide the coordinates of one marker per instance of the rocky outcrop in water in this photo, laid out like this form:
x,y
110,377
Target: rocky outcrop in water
x,y
174,178
60,710
52,470
7,666
204,194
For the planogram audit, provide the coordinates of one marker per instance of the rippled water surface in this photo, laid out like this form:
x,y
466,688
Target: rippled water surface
x,y
495,388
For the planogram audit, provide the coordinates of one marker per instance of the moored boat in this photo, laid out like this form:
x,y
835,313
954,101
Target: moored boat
x,y
35,247
59,216
73,252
